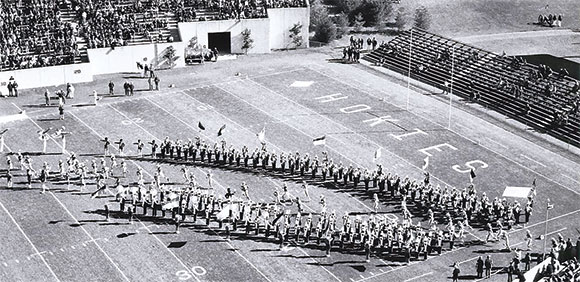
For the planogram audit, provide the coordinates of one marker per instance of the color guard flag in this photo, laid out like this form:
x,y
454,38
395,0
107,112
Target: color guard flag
x,y
425,163
221,129
377,155
200,126
319,141
262,136
471,175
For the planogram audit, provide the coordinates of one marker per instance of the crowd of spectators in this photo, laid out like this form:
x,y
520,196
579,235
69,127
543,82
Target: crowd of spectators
x,y
35,33
32,34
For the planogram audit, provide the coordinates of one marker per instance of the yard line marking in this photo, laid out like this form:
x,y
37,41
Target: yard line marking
x,y
29,241
570,178
351,279
5,264
371,273
382,270
67,210
499,144
533,160
544,221
465,137
474,258
417,277
90,236
17,261
150,232
559,230
361,276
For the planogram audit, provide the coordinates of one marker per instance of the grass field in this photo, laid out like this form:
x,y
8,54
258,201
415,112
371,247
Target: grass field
x,y
62,235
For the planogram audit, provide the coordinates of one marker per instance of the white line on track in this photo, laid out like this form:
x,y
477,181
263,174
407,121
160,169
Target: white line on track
x,y
533,160
148,230
417,277
29,241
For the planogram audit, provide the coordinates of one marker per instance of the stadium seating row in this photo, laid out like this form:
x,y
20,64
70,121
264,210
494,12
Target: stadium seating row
x,y
53,32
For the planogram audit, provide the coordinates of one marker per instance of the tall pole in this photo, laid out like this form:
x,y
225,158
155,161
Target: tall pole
x,y
451,85
546,229
409,75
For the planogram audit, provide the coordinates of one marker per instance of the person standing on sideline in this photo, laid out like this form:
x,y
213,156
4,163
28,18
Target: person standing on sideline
x,y
456,272
488,266
111,88
479,267
46,97
156,80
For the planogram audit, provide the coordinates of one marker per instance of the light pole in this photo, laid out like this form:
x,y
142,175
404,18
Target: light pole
x,y
409,74
451,83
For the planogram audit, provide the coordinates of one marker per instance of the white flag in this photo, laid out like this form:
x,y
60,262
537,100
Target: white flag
x,y
262,135
425,163
378,154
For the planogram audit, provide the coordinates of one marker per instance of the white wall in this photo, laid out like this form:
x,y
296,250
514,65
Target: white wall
x,y
282,20
124,59
47,76
260,33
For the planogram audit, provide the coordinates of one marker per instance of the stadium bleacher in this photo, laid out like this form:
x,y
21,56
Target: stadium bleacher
x,y
544,99
55,32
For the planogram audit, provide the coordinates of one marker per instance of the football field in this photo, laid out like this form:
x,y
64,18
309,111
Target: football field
x,y
62,235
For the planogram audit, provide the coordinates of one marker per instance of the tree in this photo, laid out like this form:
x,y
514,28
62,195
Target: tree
x,y
296,34
325,31
358,22
400,20
247,41
341,22
422,18
318,13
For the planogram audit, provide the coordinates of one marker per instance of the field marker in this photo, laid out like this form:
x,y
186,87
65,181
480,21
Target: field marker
x,y
17,261
533,160
351,279
361,276
154,236
417,277
5,264
29,241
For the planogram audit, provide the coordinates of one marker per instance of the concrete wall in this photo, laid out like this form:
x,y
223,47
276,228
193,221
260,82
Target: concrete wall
x,y
260,33
282,20
47,76
124,59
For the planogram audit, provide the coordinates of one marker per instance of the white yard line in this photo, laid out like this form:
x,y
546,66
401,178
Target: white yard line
x,y
236,251
417,277
30,242
90,236
74,218
188,269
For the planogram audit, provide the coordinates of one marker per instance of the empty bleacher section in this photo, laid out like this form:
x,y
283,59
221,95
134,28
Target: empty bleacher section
x,y
544,99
